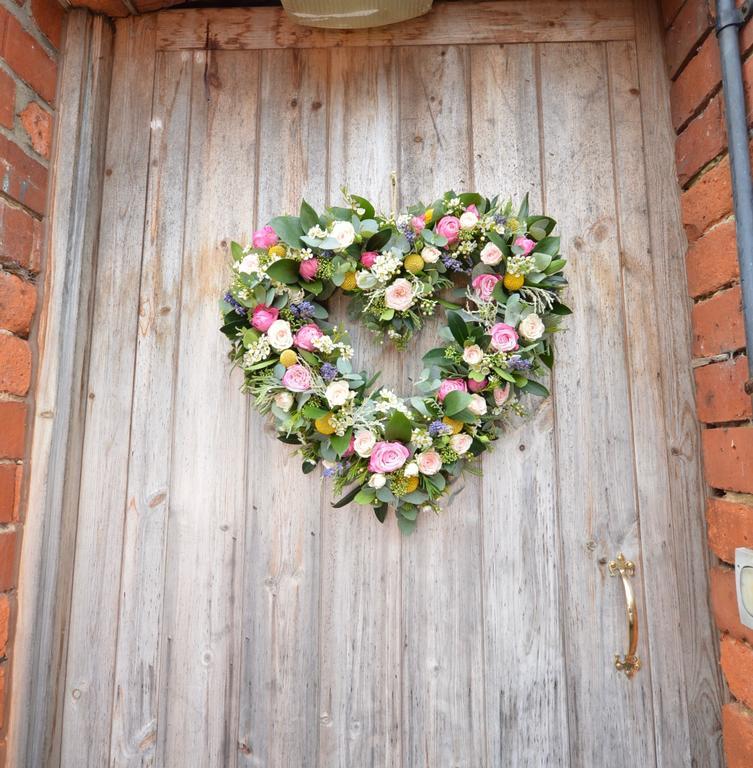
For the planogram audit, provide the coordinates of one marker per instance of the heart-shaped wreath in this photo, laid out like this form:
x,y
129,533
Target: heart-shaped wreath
x,y
386,450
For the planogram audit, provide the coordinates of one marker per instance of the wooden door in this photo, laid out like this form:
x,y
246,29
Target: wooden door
x,y
221,613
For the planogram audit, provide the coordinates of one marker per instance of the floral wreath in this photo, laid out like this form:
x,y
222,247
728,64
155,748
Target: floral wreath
x,y
384,449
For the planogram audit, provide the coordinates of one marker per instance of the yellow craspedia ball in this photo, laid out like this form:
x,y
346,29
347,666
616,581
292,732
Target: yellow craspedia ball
x,y
277,250
349,283
324,424
454,423
512,282
512,224
411,483
428,215
413,263
288,358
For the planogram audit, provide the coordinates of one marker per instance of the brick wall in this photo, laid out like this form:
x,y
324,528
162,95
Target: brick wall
x,y
30,32
721,366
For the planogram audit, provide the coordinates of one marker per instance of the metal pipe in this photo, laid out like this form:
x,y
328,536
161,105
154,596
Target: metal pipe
x,y
729,19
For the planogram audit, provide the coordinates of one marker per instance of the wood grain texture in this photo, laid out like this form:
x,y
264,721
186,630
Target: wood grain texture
x,y
514,21
523,665
101,510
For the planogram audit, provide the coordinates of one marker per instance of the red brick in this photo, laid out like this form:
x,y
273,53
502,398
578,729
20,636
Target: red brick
x,y
10,477
8,550
18,299
27,57
15,365
728,458
24,179
703,139
720,391
737,665
49,15
37,123
737,734
724,604
729,522
12,429
7,100
4,624
708,201
718,324
696,83
17,235
712,260
684,35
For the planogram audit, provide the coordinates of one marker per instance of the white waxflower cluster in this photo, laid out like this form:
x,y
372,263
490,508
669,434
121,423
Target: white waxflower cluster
x,y
467,246
453,205
520,265
318,232
343,418
388,401
306,254
385,266
421,439
326,345
257,352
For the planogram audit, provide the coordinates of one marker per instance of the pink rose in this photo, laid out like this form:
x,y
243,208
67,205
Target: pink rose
x,y
263,317
368,258
526,244
399,295
305,337
504,337
490,254
451,385
297,379
501,394
387,457
484,285
472,209
350,450
429,463
448,226
308,268
477,386
265,237
418,224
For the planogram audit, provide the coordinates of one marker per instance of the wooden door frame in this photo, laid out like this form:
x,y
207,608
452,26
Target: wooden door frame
x,y
46,567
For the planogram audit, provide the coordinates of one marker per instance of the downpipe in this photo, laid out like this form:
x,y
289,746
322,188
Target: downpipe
x,y
729,19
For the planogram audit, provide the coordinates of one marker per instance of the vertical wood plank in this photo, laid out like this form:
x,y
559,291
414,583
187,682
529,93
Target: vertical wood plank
x,y
593,429
360,608
279,721
201,632
134,718
524,665
443,675
99,538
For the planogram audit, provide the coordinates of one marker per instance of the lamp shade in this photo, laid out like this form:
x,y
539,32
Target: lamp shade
x,y
353,14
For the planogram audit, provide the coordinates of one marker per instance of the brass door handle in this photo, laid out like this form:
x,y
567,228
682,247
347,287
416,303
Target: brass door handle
x,y
629,663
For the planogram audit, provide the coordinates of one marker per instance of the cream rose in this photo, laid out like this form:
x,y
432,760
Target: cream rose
x,y
460,443
249,264
363,443
280,335
473,355
531,327
490,254
399,295
344,233
284,401
430,254
377,480
337,393
411,470
477,406
429,463
468,220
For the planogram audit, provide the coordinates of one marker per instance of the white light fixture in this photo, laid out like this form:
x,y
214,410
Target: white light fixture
x,y
744,583
353,14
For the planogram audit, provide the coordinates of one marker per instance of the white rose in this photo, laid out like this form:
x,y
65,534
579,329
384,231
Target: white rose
x,y
399,295
430,254
501,394
477,406
344,233
473,355
531,327
249,264
284,400
364,442
468,220
411,470
429,463
460,443
377,481
279,335
490,254
337,393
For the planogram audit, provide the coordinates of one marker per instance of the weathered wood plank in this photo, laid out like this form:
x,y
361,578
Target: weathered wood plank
x,y
46,567
593,430
465,22
104,463
524,666
360,596
279,704
134,718
442,625
201,628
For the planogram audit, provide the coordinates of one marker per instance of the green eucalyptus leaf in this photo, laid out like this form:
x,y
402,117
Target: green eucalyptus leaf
x,y
457,327
288,229
284,271
398,427
308,217
378,240
455,402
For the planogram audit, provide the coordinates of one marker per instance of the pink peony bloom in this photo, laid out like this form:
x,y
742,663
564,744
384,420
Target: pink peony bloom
x,y
526,244
297,379
477,386
451,385
448,226
484,285
265,237
307,269
305,337
387,457
263,317
504,337
417,224
368,258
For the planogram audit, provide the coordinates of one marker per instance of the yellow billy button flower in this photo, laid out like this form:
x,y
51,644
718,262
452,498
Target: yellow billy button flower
x,y
277,250
349,282
513,282
288,358
411,483
454,423
324,424
428,214
413,263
